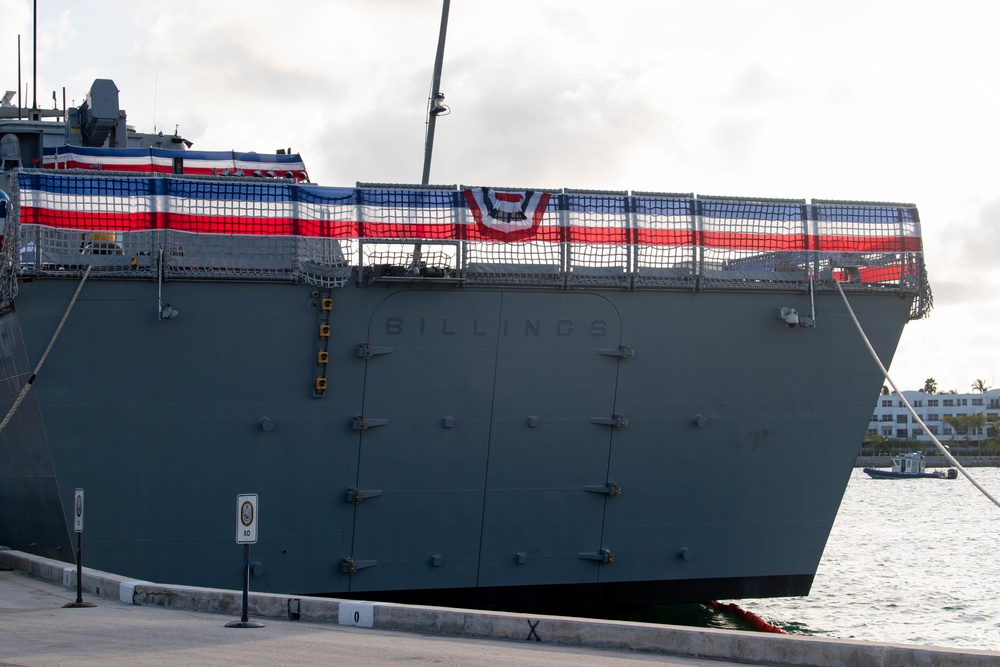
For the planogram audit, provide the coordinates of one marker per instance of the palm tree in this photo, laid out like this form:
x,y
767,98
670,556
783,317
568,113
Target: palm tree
x,y
980,386
930,386
959,425
976,422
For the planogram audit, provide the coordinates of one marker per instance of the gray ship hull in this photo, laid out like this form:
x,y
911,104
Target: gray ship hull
x,y
487,446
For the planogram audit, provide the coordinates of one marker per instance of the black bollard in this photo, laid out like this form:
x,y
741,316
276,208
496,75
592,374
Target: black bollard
x,y
245,621
79,578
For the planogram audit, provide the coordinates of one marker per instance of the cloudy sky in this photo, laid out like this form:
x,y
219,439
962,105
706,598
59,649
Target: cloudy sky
x,y
874,100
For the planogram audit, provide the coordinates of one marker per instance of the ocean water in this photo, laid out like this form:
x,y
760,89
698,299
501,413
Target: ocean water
x,y
912,561
915,561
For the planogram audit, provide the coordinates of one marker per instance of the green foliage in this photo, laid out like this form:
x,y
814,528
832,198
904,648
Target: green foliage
x,y
893,447
960,423
876,446
872,439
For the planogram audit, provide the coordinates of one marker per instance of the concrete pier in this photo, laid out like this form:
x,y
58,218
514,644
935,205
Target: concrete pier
x,y
139,623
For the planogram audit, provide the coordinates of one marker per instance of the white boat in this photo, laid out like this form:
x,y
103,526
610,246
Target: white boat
x,y
906,466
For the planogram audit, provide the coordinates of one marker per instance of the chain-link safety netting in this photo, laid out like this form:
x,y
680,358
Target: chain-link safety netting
x,y
124,225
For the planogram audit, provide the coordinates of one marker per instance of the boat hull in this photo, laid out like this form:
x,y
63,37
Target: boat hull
x,y
486,446
875,473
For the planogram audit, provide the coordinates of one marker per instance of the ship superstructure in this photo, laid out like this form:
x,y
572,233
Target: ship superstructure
x,y
497,397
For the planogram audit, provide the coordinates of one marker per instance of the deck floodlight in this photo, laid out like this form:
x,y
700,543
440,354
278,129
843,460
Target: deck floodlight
x,y
438,106
789,315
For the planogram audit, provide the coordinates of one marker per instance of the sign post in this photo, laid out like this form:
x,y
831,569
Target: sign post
x,y
78,527
246,534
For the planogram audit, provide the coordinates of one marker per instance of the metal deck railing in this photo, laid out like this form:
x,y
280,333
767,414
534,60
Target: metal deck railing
x,y
130,226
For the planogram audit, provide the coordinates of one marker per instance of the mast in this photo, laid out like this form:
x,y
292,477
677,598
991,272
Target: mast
x,y
435,107
435,104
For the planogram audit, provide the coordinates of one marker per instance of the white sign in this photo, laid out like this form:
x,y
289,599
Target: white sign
x,y
361,614
78,511
246,519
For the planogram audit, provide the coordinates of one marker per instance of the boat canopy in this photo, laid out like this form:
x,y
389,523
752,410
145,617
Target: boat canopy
x,y
909,463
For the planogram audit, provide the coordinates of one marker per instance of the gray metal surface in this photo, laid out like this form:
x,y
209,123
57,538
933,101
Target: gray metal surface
x,y
492,418
30,510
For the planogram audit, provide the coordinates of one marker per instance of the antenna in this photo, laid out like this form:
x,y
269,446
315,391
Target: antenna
x,y
19,105
34,56
156,86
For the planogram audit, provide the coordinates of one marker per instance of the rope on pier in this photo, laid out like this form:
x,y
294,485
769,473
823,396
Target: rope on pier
x,y
748,617
916,417
31,380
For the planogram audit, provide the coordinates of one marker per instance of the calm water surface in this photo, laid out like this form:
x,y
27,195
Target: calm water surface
x,y
912,561
915,561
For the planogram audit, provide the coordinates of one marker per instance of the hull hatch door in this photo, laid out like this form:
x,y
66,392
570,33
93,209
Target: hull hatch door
x,y
430,400
550,440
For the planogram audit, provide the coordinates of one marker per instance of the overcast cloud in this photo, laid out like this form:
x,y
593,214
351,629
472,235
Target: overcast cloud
x,y
876,100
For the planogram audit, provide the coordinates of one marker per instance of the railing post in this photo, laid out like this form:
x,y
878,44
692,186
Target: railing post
x,y
564,249
360,227
459,212
631,236
812,241
697,251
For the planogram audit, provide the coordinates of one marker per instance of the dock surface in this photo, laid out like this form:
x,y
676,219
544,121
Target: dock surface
x,y
142,623
36,630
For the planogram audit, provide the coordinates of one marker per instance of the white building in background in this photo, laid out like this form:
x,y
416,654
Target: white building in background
x,y
892,420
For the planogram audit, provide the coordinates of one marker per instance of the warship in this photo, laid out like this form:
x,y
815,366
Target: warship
x,y
465,395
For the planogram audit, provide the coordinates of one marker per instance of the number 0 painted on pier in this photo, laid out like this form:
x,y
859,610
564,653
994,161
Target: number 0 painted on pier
x,y
246,519
361,614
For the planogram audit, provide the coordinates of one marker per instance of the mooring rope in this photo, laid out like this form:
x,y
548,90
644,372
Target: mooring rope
x,y
31,380
937,443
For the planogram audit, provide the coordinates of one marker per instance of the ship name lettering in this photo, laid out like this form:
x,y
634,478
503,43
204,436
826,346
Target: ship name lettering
x,y
393,326
532,327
